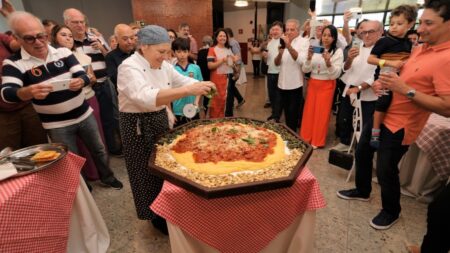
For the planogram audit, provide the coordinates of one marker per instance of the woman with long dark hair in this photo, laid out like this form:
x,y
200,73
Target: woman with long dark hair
x,y
220,62
324,62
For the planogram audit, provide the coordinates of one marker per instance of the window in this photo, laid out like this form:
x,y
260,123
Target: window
x,y
341,7
373,5
339,21
395,3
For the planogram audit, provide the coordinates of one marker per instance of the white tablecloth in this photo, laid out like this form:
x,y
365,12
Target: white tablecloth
x,y
88,232
297,238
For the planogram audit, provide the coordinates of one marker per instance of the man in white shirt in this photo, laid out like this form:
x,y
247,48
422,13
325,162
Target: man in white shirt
x,y
358,78
272,70
290,79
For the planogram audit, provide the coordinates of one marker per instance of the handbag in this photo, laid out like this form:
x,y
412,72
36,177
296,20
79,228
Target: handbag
x,y
341,159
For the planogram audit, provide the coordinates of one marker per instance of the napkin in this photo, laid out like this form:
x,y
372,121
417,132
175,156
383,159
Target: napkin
x,y
6,170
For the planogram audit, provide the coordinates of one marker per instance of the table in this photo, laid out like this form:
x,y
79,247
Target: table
x,y
279,220
422,169
43,211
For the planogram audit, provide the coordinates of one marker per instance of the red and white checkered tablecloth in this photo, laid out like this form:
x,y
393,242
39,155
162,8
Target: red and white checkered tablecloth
x,y
434,140
244,223
35,209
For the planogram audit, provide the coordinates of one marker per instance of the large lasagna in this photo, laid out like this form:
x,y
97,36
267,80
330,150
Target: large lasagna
x,y
220,153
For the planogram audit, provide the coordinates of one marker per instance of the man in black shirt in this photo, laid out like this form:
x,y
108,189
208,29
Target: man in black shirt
x,y
126,44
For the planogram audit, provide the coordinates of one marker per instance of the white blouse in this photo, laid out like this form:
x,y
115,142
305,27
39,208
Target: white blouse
x,y
138,84
319,69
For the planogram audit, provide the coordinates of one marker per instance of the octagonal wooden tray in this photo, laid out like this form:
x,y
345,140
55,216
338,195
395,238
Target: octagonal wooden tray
x,y
234,189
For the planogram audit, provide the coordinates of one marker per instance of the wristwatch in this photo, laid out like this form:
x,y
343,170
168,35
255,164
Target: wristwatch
x,y
411,93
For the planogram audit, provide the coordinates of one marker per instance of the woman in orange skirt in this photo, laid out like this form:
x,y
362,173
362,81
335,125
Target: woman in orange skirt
x,y
220,62
325,68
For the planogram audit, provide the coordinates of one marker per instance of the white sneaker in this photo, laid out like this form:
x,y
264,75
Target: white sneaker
x,y
341,147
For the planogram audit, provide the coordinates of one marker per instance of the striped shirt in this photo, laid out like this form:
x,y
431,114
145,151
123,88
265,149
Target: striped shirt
x,y
98,59
60,108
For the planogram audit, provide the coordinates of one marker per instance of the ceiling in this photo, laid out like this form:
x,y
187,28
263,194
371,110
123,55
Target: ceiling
x,y
228,5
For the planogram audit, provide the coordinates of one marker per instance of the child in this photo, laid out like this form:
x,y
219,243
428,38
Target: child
x,y
181,48
391,51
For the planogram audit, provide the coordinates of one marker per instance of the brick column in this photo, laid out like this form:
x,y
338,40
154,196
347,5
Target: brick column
x,y
170,13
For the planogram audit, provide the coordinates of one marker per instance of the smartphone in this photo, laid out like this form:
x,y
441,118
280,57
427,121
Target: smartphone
x,y
356,12
356,43
318,49
59,85
282,43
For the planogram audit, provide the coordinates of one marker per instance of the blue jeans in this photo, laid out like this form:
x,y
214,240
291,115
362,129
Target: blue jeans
x,y
106,97
88,132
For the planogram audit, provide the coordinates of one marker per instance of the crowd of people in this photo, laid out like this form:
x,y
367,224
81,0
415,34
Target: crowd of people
x,y
124,93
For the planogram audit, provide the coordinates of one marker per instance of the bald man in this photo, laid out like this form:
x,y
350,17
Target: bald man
x,y
96,48
126,44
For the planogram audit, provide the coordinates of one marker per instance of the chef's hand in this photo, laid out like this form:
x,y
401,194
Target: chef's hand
x,y
200,88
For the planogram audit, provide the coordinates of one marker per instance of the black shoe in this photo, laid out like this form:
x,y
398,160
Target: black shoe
x,y
89,186
161,225
118,155
115,184
383,220
271,118
352,194
240,104
267,105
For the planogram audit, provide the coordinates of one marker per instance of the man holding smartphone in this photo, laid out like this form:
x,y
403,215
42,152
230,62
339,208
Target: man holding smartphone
x,y
357,79
65,114
290,80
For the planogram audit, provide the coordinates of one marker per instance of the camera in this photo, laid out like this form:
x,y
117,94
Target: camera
x,y
282,43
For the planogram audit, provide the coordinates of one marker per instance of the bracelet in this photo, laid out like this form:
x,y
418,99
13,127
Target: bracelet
x,y
381,63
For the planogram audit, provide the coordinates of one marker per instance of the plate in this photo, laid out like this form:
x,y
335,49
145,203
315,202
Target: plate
x,y
22,158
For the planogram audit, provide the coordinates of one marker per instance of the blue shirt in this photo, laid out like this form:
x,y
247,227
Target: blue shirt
x,y
193,71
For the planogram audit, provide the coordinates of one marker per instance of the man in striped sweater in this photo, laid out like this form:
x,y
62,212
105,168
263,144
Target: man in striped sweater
x,y
31,74
96,48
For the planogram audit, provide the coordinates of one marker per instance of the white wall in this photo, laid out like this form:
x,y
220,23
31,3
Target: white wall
x,y
241,20
3,24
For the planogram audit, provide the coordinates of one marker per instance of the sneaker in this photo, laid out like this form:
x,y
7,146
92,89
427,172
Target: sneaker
x,y
267,105
240,104
341,147
383,220
352,194
115,184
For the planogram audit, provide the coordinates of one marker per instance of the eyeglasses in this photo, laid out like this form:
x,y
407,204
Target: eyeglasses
x,y
29,39
370,32
81,22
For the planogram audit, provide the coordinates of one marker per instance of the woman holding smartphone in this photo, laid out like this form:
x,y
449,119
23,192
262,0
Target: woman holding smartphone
x,y
324,62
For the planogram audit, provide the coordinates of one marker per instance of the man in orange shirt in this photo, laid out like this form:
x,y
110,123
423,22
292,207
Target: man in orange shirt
x,y
423,87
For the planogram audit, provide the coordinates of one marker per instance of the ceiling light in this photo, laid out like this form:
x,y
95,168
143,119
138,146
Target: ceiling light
x,y
240,3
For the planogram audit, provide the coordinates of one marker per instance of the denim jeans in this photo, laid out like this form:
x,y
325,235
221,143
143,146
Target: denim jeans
x,y
108,112
88,132
232,92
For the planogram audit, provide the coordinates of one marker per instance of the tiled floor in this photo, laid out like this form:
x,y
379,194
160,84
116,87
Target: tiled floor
x,y
343,226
